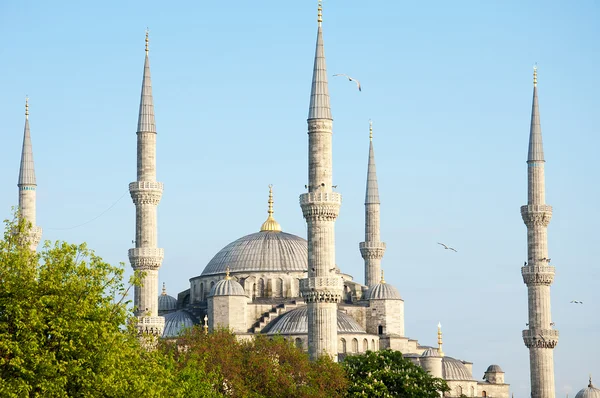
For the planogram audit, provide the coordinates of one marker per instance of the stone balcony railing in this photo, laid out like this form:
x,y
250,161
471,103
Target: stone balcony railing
x,y
146,186
538,274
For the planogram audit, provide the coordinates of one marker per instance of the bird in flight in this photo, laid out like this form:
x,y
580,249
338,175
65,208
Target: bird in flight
x,y
447,247
351,79
576,302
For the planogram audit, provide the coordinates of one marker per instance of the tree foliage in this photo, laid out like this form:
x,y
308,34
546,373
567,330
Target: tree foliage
x,y
257,367
63,325
387,373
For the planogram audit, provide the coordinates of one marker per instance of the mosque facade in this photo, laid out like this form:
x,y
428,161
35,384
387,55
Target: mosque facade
x,y
275,283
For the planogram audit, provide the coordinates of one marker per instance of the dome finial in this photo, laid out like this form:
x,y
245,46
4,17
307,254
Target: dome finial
x,y
535,75
205,327
26,107
320,12
164,290
440,339
590,385
270,224
382,280
147,40
370,130
227,277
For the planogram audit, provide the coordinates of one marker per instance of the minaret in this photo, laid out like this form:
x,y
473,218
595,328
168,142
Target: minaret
x,y
538,275
372,248
322,290
440,351
27,185
146,194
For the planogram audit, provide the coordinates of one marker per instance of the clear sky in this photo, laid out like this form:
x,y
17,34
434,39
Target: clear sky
x,y
447,84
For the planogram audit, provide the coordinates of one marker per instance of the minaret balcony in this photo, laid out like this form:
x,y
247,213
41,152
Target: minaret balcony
x,y
540,338
322,289
321,205
146,192
153,325
146,258
371,250
536,215
538,274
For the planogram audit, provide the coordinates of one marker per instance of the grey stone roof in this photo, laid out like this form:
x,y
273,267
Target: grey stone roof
x,y
453,369
494,368
536,148
382,291
176,322
264,251
319,94
430,352
372,194
166,302
227,287
589,392
296,322
26,171
146,122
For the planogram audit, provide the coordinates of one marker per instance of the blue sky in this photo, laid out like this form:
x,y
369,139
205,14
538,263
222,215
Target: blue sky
x,y
447,85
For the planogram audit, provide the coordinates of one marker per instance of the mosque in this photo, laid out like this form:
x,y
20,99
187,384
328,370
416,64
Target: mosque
x,y
276,283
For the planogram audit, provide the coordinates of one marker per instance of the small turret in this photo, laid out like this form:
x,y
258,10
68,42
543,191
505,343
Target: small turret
x,y
227,303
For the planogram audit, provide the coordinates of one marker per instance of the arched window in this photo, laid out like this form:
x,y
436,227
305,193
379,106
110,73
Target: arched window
x,y
472,391
459,391
343,346
201,291
278,289
380,329
299,343
260,288
484,394
354,345
365,345
194,297
373,345
212,284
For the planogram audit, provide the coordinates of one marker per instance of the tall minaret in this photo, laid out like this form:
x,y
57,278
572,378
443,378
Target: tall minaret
x,y
146,194
322,290
372,248
538,275
27,185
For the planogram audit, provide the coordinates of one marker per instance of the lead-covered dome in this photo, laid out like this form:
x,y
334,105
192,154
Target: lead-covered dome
x,y
296,322
176,322
494,369
166,302
382,291
589,392
264,251
453,369
227,287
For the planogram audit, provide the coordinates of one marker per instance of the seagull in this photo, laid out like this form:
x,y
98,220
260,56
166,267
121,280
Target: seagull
x,y
447,247
351,79
525,264
576,302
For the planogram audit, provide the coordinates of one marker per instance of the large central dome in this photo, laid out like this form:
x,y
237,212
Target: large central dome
x,y
264,251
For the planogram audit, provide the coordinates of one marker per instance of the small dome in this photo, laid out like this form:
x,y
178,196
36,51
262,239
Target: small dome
x,y
166,302
382,291
227,287
296,322
176,322
589,392
494,369
431,352
453,369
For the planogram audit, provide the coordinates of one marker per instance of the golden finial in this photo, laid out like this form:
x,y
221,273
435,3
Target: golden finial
x,y
147,40
535,75
270,224
205,327
370,130
320,13
440,339
164,290
382,280
227,277
26,107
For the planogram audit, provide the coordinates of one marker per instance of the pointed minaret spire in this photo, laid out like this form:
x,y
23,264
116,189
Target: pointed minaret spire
x,y
319,94
322,289
372,248
440,351
146,193
540,338
27,184
536,149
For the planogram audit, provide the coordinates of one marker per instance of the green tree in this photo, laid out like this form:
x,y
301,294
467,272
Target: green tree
x,y
387,373
257,367
65,330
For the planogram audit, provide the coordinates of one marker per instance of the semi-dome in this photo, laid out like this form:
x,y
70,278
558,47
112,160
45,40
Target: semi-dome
x,y
166,302
589,392
453,369
296,322
269,250
176,322
494,369
227,287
